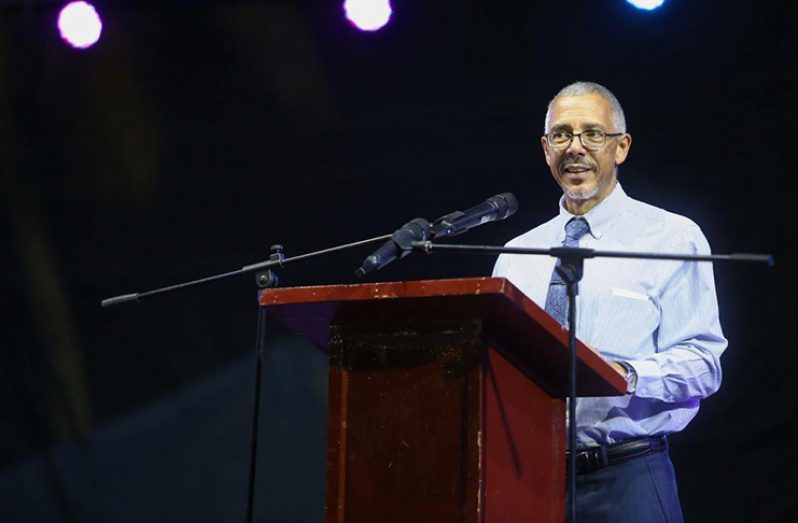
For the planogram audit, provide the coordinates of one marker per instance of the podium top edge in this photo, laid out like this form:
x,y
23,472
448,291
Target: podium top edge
x,y
388,290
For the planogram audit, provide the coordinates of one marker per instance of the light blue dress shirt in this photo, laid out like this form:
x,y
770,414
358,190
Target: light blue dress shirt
x,y
659,316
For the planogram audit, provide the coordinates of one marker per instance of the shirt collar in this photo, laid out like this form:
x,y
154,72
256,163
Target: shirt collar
x,y
600,216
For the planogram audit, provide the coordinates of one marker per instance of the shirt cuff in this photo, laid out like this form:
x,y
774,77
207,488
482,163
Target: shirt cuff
x,y
649,384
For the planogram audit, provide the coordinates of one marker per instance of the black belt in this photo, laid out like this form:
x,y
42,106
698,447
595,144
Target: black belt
x,y
589,459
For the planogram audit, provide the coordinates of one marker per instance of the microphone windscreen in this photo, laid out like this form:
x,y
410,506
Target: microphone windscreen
x,y
507,203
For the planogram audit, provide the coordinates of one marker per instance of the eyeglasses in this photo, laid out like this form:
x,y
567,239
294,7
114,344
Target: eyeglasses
x,y
591,139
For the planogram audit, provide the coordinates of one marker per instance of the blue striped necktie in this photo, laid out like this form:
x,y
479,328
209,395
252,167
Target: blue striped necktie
x,y
557,297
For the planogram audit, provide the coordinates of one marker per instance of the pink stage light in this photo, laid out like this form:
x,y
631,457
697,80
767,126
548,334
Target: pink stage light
x,y
79,24
368,15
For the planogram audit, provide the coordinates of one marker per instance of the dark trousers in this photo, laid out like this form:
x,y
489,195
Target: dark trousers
x,y
642,490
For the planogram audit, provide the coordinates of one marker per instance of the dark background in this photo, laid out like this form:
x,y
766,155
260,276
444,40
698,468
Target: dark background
x,y
198,133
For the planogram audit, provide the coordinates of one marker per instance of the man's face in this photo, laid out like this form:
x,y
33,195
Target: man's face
x,y
586,176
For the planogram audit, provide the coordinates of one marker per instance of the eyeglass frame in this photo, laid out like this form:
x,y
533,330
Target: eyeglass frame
x,y
574,135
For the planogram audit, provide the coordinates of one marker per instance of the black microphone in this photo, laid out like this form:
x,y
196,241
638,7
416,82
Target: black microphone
x,y
494,208
398,246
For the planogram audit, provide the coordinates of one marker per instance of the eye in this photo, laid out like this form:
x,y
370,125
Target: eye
x,y
557,137
594,134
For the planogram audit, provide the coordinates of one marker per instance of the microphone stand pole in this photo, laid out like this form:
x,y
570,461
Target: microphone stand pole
x,y
264,278
275,260
571,269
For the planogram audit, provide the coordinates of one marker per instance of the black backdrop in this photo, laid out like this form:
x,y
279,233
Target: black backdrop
x,y
197,134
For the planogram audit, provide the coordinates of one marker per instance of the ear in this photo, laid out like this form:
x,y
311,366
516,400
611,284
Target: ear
x,y
622,148
546,151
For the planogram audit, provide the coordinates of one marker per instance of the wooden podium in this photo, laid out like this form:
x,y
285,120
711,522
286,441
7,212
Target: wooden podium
x,y
446,399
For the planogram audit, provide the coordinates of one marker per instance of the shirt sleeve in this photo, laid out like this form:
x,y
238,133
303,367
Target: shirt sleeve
x,y
689,340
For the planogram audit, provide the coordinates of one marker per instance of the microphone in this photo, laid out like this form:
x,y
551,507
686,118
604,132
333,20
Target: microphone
x,y
398,246
494,208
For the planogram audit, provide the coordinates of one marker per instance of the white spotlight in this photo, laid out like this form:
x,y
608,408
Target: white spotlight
x,y
648,5
79,24
368,15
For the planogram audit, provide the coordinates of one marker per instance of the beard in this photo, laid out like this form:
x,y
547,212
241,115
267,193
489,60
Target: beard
x,y
582,194
579,193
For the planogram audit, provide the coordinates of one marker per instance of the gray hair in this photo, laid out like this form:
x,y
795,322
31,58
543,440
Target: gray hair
x,y
584,88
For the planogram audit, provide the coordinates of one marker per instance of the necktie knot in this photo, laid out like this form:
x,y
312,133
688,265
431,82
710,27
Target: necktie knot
x,y
575,229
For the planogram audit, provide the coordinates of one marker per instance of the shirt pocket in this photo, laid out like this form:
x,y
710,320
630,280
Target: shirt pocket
x,y
621,325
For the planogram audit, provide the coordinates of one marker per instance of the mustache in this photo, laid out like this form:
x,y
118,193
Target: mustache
x,y
575,160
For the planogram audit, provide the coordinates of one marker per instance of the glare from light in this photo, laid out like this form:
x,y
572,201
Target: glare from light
x,y
648,5
79,24
368,15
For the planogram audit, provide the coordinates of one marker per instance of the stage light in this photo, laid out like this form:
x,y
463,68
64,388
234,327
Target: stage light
x,y
368,15
648,5
79,24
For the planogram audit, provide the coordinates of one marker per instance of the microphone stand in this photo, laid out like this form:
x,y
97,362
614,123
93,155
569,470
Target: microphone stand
x,y
264,278
571,269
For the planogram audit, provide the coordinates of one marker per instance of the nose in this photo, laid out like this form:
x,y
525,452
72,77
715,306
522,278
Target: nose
x,y
576,148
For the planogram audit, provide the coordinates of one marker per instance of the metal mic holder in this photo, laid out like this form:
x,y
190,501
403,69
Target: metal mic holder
x,y
264,278
571,269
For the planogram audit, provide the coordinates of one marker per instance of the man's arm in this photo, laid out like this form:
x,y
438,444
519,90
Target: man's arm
x,y
689,338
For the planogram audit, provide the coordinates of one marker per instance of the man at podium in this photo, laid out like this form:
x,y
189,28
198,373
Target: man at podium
x,y
654,321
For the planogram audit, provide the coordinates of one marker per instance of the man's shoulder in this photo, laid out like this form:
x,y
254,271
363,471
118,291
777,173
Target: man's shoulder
x,y
671,231
647,213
